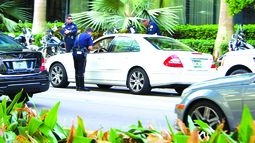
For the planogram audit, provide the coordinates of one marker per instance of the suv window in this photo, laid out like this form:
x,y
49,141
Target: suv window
x,y
124,44
7,44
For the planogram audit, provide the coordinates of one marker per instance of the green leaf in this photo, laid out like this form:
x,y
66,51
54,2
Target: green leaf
x,y
100,135
215,136
205,127
132,135
40,137
33,125
52,116
140,125
43,112
222,139
33,103
60,132
246,124
9,136
22,131
181,138
12,126
114,137
79,139
48,133
4,101
191,124
2,139
229,137
170,128
14,101
80,130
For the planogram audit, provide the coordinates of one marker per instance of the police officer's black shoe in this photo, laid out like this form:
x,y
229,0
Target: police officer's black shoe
x,y
83,89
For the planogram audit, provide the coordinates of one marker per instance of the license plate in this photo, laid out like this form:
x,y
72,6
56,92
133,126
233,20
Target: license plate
x,y
197,63
19,65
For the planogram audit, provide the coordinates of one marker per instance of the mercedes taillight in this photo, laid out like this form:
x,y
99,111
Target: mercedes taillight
x,y
173,61
42,67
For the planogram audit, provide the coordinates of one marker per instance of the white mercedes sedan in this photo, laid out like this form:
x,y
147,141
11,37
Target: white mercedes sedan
x,y
138,61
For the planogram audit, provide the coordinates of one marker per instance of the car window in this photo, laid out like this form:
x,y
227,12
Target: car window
x,y
167,44
103,44
124,44
8,44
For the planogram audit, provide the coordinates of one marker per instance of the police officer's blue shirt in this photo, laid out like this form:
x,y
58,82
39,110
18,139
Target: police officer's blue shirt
x,y
152,28
73,30
84,40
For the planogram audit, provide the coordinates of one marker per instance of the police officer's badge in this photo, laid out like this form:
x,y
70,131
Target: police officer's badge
x,y
151,27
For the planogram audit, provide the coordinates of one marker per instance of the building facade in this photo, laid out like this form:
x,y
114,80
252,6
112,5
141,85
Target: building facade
x,y
194,12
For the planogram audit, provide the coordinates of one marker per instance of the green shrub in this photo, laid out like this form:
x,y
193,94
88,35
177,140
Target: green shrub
x,y
38,38
204,46
206,31
195,32
21,124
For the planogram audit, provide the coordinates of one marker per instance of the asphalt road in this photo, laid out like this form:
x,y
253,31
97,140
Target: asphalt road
x,y
112,108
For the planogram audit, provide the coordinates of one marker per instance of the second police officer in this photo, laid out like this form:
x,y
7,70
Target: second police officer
x,y
82,45
152,27
69,31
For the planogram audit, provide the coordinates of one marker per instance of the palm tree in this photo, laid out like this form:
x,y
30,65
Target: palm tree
x,y
225,29
39,20
10,11
107,14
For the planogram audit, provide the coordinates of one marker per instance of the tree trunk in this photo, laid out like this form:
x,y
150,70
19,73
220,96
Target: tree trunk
x,y
225,29
39,19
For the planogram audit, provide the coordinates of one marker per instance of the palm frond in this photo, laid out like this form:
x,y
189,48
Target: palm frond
x,y
111,6
107,14
9,11
166,17
10,24
13,10
94,19
6,5
19,13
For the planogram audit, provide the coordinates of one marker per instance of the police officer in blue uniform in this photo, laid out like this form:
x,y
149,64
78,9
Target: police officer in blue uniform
x,y
152,27
69,31
82,45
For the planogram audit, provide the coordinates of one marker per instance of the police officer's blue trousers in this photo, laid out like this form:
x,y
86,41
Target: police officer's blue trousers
x,y
69,44
79,66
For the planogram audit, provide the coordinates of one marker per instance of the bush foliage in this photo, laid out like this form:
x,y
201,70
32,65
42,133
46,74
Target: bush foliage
x,y
22,124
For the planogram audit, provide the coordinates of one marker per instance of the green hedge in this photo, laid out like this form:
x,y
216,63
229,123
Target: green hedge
x,y
207,31
195,32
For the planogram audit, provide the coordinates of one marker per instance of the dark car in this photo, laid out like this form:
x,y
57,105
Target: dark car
x,y
21,69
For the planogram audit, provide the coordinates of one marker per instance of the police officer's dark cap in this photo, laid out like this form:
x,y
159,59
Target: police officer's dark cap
x,y
68,15
89,30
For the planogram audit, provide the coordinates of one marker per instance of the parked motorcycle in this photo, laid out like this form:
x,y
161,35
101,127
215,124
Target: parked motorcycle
x,y
26,38
51,44
238,42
